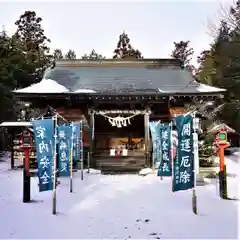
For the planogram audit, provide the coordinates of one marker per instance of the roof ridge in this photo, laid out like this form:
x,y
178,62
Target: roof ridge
x,y
120,62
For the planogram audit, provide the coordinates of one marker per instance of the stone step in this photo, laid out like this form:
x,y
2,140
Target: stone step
x,y
120,163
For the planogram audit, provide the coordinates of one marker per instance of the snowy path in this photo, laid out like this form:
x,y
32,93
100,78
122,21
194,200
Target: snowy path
x,y
124,206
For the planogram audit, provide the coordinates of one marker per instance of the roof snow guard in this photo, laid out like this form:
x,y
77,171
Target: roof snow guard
x,y
147,76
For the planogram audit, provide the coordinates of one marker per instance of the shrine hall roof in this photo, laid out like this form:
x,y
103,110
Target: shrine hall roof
x,y
148,76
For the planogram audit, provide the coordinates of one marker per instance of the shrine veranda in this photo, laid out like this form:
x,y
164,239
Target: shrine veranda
x,y
117,99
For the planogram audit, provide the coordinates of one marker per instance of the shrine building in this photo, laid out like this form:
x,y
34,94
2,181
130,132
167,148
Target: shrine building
x,y
117,99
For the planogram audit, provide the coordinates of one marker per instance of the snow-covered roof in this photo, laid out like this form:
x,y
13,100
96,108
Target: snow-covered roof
x,y
207,88
64,84
45,86
193,87
82,90
224,126
16,124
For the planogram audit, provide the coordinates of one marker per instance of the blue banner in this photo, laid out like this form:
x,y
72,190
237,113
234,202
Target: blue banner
x,y
156,142
165,168
183,177
64,148
76,142
44,140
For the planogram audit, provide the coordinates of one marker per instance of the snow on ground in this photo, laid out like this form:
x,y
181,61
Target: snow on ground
x,y
233,169
108,207
145,171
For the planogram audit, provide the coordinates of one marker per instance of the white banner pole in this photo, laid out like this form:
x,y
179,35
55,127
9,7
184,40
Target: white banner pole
x,y
71,162
54,159
195,141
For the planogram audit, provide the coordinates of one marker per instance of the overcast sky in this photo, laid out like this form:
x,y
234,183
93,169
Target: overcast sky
x,y
152,26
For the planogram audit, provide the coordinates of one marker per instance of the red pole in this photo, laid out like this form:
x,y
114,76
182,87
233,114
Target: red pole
x,y
222,172
27,161
221,157
26,177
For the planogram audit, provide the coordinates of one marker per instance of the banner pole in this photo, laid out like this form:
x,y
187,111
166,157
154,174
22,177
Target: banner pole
x,y
171,141
153,161
153,152
71,162
81,146
88,162
54,197
194,196
161,178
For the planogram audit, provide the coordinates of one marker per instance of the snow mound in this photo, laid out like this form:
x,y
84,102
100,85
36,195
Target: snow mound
x,y
92,171
145,171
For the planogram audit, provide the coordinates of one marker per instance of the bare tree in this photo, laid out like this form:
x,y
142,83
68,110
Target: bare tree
x,y
228,14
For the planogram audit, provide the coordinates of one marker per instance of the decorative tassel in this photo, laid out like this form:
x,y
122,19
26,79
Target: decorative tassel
x,y
119,124
112,122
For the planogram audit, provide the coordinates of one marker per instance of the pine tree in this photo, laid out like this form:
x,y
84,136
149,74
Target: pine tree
x,y
206,70
33,45
11,63
70,54
57,54
220,66
125,50
183,52
93,56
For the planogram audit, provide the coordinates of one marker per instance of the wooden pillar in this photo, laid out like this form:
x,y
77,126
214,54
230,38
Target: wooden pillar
x,y
146,138
91,138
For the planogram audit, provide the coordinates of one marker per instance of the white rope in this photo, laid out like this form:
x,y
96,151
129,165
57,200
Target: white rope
x,y
119,121
100,112
104,115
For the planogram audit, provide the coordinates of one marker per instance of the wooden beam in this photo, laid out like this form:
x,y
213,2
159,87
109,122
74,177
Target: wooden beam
x,y
101,112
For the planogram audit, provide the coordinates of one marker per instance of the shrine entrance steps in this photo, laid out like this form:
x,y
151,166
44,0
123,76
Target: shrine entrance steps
x,y
106,171
119,164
